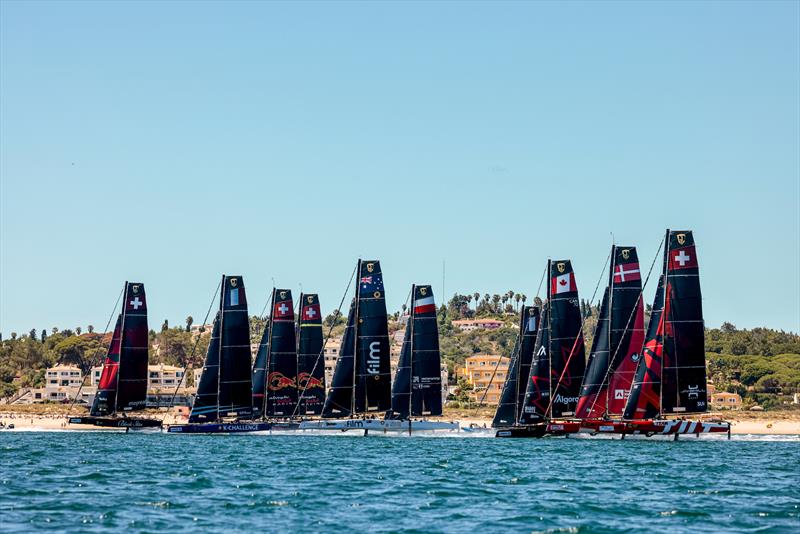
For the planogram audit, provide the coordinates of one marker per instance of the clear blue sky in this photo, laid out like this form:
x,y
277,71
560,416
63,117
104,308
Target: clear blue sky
x,y
171,143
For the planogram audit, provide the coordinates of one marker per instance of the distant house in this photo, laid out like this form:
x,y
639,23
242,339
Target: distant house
x,y
468,325
726,401
486,373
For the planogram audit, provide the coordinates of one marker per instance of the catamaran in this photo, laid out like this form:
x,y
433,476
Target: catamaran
x,y
558,360
224,402
509,408
654,386
123,382
417,387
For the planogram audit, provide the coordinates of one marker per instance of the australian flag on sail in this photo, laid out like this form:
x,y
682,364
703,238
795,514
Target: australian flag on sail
x,y
372,282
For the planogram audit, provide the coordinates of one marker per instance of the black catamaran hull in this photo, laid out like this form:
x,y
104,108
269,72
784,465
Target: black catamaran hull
x,y
527,431
115,422
230,428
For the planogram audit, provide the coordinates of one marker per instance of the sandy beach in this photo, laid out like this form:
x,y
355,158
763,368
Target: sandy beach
x,y
742,423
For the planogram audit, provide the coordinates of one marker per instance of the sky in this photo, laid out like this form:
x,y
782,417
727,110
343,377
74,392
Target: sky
x,y
169,143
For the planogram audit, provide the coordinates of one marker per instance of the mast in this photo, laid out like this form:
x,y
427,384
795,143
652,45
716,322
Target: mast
x,y
411,360
356,358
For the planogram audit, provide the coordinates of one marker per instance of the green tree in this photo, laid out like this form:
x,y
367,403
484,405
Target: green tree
x,y
90,328
189,322
78,330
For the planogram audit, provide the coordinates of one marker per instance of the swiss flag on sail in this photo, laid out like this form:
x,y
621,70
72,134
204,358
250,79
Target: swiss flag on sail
x,y
682,258
283,309
311,313
563,283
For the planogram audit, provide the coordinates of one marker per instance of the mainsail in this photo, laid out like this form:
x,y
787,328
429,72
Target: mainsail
x,y
225,388
417,388
123,382
310,357
618,339
364,355
672,376
281,397
513,395
559,357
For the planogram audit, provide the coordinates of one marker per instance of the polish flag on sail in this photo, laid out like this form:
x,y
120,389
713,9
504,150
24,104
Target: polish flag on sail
x,y
424,305
563,283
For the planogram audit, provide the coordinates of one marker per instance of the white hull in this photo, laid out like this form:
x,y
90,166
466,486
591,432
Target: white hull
x,y
379,425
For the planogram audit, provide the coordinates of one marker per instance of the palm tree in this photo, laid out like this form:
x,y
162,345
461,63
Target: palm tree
x,y
90,328
495,301
189,321
477,298
524,297
78,330
517,297
469,299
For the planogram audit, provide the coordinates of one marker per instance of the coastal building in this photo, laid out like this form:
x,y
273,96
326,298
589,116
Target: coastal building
x,y
486,373
468,325
331,353
726,401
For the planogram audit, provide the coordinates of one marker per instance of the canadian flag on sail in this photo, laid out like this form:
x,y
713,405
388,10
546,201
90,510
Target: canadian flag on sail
x,y
563,283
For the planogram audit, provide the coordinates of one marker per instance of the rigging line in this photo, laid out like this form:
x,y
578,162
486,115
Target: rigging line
x,y
627,324
83,382
577,337
321,355
194,348
541,280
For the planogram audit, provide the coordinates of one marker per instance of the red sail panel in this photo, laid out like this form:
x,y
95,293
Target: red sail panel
x,y
106,397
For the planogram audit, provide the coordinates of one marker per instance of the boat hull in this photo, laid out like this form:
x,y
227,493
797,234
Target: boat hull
x,y
379,425
645,427
230,428
116,422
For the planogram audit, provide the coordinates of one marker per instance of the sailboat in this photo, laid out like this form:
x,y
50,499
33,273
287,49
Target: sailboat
x,y
558,360
417,387
361,383
670,377
224,403
275,393
310,357
123,382
509,408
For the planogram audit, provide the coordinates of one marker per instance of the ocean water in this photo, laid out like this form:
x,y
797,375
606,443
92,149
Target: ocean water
x,y
98,482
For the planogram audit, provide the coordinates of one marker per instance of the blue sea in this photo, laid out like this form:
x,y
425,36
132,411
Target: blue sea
x,y
137,482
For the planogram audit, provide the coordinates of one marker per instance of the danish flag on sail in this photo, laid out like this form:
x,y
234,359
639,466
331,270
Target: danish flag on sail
x,y
424,305
627,272
563,283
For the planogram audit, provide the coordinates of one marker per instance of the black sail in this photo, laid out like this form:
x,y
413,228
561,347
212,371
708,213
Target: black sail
x,y
513,394
417,388
282,361
310,356
235,380
339,401
206,402
373,371
683,381
133,353
618,339
225,388
644,401
567,353
536,399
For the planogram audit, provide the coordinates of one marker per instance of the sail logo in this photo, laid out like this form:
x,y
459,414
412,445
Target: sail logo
x,y
278,381
619,394
374,360
694,392
560,399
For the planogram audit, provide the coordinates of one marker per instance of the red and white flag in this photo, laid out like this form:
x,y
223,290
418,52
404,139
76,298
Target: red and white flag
x,y
563,283
627,272
311,313
284,309
424,305
683,258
